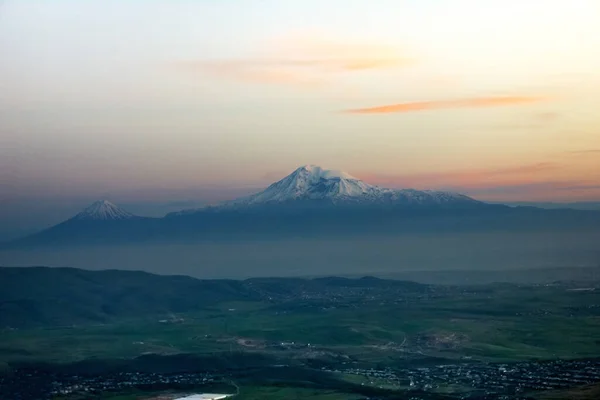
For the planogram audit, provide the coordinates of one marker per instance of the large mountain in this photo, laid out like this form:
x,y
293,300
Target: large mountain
x,y
311,201
312,185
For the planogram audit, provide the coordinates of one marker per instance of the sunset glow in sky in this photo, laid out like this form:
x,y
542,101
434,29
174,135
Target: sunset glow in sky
x,y
496,99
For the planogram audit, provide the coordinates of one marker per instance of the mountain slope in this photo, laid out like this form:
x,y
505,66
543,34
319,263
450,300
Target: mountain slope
x,y
310,202
314,185
61,296
103,210
100,222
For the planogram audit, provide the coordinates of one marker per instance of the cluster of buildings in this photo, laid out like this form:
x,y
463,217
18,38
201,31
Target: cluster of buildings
x,y
40,385
487,379
460,380
392,292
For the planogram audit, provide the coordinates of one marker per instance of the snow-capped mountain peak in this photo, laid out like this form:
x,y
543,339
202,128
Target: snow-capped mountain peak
x,y
311,182
315,173
103,210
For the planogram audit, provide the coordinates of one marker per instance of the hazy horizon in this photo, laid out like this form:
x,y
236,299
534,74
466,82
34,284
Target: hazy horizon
x,y
27,215
24,216
368,255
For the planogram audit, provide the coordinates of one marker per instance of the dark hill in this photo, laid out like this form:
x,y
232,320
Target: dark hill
x,y
42,296
63,296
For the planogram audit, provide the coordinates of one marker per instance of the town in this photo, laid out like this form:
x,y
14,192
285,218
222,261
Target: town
x,y
460,380
486,379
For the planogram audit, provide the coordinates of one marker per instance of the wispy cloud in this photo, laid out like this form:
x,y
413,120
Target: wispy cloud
x,y
313,51
305,62
476,102
536,181
463,179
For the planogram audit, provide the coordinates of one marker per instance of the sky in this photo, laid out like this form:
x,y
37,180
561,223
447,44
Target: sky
x,y
143,101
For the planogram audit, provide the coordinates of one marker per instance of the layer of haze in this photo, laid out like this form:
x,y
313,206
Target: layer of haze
x,y
148,102
368,254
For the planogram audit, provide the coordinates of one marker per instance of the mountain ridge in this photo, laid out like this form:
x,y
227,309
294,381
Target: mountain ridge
x,y
311,183
308,202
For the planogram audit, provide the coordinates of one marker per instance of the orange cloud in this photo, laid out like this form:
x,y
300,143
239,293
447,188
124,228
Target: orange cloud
x,y
340,56
475,102
306,62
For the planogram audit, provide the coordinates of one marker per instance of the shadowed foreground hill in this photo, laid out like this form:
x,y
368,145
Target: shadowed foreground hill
x,y
42,296
60,296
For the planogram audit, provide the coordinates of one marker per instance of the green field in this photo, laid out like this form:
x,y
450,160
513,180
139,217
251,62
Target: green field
x,y
318,330
503,323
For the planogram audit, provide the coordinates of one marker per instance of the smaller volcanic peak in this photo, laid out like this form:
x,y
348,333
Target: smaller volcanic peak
x,y
101,222
103,210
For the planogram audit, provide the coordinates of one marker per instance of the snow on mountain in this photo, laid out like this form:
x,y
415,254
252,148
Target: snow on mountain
x,y
312,182
103,210
309,182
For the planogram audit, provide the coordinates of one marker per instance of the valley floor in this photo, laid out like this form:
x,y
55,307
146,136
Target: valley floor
x,y
342,341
